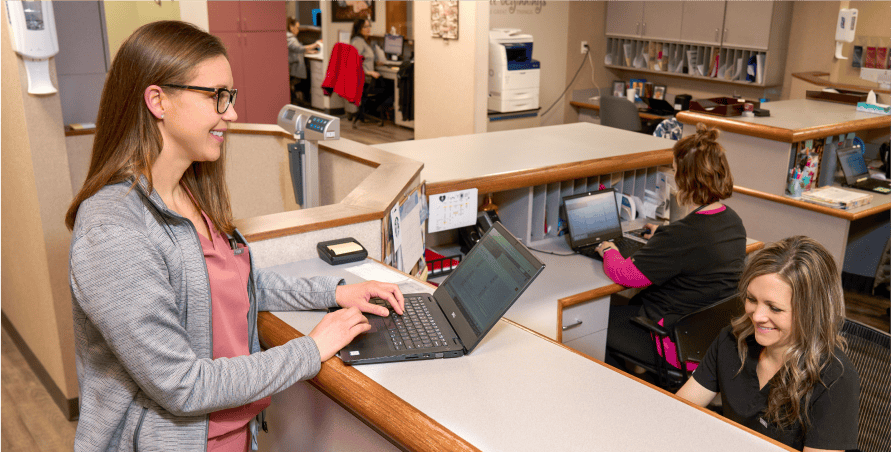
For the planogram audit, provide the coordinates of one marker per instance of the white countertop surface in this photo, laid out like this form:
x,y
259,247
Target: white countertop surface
x,y
519,392
471,156
798,114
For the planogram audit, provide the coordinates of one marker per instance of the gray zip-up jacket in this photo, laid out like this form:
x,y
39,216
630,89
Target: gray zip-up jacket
x,y
143,334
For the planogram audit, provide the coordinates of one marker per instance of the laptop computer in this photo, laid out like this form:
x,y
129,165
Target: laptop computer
x,y
454,319
659,107
592,218
857,173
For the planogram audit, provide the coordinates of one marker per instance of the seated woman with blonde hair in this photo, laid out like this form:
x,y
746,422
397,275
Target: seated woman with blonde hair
x,y
781,367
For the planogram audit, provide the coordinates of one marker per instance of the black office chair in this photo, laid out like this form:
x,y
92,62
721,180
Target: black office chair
x,y
870,353
692,334
620,113
370,94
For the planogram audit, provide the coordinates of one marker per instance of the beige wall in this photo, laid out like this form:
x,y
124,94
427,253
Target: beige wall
x,y
123,17
586,23
36,191
873,23
451,81
549,47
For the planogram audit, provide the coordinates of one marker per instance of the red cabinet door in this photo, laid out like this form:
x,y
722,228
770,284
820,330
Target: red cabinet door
x,y
223,16
265,76
262,16
234,43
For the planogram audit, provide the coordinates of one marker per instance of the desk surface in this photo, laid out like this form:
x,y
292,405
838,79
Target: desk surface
x,y
522,392
794,120
506,160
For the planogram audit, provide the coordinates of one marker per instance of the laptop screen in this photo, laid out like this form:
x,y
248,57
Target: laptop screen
x,y
853,164
592,217
490,278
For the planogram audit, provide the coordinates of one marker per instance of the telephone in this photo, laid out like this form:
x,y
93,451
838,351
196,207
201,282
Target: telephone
x,y
468,236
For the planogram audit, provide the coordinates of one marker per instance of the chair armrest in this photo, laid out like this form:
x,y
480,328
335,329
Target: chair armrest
x,y
650,325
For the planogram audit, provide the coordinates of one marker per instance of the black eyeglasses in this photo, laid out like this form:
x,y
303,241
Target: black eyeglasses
x,y
224,97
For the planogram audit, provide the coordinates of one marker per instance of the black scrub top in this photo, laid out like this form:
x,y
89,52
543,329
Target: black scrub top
x,y
833,410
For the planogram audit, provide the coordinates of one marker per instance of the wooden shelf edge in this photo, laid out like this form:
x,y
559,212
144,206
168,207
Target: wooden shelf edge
x,y
692,77
374,405
729,124
840,213
556,173
817,78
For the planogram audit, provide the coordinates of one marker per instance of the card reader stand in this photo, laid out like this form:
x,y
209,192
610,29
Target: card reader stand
x,y
309,128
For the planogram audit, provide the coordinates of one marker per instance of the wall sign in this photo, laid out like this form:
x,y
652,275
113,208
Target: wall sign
x,y
444,19
516,6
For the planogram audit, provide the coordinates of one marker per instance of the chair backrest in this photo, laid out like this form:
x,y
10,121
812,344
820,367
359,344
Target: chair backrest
x,y
870,353
620,113
696,331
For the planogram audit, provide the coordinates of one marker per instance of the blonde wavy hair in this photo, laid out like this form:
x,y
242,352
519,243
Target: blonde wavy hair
x,y
818,312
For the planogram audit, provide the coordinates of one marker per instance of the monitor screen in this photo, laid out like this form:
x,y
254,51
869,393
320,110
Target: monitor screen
x,y
317,17
592,217
393,45
853,163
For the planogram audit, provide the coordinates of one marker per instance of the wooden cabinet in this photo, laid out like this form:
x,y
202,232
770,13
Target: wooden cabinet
x,y
747,25
702,22
254,36
634,19
720,38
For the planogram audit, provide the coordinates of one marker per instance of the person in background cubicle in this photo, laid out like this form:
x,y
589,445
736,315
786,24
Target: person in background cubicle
x,y
164,293
297,65
374,84
687,264
781,367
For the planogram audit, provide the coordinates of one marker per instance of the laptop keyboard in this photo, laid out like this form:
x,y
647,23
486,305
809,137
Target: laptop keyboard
x,y
626,247
415,329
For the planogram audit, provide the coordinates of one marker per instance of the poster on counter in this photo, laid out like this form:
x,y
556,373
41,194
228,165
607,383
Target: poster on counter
x,y
452,210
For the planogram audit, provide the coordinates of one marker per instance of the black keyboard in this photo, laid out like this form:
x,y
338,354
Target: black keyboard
x,y
415,329
627,247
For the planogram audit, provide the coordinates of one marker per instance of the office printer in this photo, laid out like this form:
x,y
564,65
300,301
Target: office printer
x,y
513,74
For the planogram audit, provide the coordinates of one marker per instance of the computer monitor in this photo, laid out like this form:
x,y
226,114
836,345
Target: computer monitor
x,y
393,45
317,17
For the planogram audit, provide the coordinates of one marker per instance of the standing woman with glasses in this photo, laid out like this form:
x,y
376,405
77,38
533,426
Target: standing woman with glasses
x,y
165,297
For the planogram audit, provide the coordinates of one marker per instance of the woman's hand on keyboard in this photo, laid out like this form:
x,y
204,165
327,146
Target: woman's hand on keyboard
x,y
358,295
604,246
652,230
337,329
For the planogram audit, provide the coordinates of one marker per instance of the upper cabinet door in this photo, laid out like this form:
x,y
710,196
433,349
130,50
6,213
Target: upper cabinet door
x,y
662,20
624,19
747,24
262,16
223,16
702,22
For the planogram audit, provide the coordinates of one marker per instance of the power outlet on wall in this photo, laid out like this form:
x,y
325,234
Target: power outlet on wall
x,y
584,47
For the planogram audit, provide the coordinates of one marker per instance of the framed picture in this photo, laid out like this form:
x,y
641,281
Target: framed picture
x,y
619,88
350,11
659,92
444,19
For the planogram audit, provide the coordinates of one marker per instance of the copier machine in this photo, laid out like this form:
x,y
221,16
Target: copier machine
x,y
513,74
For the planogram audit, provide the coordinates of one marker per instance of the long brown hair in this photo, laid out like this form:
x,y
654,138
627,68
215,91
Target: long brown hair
x,y
128,139
818,312
702,174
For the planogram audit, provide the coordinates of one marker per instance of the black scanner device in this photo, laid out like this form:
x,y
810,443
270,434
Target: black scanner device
x,y
341,251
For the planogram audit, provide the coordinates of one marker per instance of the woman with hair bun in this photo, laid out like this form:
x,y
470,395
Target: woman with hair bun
x,y
687,264
781,367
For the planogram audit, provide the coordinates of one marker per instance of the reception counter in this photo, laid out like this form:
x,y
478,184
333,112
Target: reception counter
x,y
517,391
759,151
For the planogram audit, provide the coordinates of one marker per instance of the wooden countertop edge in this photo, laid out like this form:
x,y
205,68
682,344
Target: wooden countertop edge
x,y
729,124
850,216
658,389
370,402
816,78
562,172
644,115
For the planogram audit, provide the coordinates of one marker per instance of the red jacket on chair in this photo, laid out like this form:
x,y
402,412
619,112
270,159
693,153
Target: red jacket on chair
x,y
345,75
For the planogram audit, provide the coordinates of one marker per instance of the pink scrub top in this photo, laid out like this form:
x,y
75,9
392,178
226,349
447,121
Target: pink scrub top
x,y
229,273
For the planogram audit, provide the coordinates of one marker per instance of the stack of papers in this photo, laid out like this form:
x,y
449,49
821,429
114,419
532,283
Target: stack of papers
x,y
834,197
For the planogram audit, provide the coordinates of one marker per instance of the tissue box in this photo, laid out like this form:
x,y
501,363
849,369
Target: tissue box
x,y
873,108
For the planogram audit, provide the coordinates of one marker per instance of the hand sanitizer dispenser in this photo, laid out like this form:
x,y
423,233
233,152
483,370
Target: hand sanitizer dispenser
x,y
844,30
32,27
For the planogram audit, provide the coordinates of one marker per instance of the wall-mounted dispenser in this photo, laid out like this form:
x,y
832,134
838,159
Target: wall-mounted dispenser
x,y
844,30
32,27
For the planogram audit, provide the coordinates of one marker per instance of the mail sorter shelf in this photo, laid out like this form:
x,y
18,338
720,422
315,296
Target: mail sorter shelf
x,y
533,213
674,59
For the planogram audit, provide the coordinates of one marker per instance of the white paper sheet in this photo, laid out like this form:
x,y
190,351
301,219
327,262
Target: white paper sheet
x,y
452,210
377,272
412,241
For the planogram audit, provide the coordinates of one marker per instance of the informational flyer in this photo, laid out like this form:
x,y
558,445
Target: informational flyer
x,y
452,210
